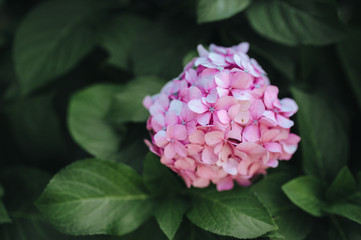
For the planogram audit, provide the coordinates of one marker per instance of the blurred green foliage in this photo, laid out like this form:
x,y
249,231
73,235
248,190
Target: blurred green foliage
x,y
73,75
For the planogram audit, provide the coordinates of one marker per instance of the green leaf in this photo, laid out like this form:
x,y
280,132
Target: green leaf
x,y
236,213
4,217
292,222
343,185
294,22
127,105
149,230
324,140
350,62
343,229
349,208
159,50
158,178
169,214
306,193
214,10
118,36
87,123
51,40
43,140
96,197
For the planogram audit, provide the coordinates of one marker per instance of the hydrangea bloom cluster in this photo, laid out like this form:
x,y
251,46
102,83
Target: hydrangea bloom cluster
x,y
221,121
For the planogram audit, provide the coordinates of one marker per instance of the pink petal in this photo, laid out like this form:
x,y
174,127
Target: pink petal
x,y
224,102
268,135
243,167
241,94
270,96
273,147
251,133
163,100
197,106
257,109
194,93
222,79
284,122
222,92
185,163
204,118
147,102
223,116
214,137
230,166
156,109
288,107
225,184
269,118
206,172
169,151
242,117
179,132
197,137
212,96
293,139
176,106
160,139
158,122
171,119
235,133
201,183
241,80
208,156
202,51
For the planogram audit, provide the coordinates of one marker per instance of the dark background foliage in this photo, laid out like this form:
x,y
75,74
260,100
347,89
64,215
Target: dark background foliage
x,y
72,77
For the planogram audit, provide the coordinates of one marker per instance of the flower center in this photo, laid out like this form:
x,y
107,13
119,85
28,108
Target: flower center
x,y
211,109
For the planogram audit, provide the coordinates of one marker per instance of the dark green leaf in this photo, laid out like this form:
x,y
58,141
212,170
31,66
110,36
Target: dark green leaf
x,y
96,197
169,214
36,127
292,223
349,208
306,193
296,22
4,217
86,120
118,36
324,140
343,185
51,40
158,178
214,10
236,213
127,105
343,229
159,49
349,58
149,231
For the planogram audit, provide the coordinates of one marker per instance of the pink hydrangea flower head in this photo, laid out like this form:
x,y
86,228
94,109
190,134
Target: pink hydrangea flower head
x,y
221,120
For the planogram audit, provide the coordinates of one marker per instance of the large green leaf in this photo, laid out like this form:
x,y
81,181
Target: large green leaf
x,y
343,185
169,214
236,213
293,224
349,59
118,36
324,140
295,22
87,123
51,40
158,178
127,105
213,10
96,197
306,193
349,208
